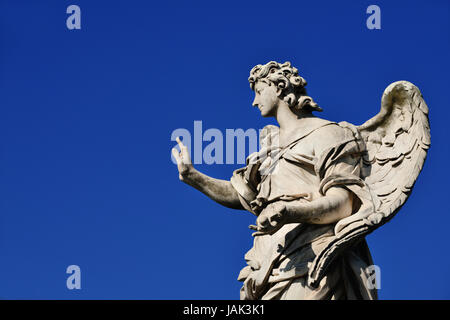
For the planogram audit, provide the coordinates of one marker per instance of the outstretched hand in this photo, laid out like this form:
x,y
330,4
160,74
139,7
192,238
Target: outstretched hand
x,y
183,159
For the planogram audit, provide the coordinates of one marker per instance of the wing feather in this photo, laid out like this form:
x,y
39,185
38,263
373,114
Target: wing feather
x,y
403,128
397,141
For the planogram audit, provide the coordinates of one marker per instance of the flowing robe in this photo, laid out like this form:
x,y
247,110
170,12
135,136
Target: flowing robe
x,y
321,155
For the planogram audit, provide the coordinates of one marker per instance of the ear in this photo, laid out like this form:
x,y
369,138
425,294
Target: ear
x,y
279,90
280,86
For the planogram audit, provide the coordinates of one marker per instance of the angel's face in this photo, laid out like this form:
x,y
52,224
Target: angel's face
x,y
266,98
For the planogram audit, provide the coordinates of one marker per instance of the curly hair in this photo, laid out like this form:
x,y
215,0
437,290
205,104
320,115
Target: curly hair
x,y
285,77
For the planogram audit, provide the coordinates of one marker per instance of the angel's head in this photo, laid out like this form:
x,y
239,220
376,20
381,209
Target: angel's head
x,y
275,82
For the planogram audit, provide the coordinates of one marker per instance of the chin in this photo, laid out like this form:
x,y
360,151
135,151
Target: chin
x,y
266,114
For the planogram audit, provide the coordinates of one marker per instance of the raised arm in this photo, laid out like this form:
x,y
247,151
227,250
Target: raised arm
x,y
218,190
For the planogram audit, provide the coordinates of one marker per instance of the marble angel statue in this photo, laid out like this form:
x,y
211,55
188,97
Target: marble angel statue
x,y
318,187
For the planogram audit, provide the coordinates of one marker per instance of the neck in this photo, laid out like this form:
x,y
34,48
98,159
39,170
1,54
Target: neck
x,y
288,120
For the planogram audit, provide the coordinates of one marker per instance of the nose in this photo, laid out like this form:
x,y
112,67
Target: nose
x,y
255,103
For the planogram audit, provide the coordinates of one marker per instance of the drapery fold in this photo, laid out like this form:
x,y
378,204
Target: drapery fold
x,y
280,263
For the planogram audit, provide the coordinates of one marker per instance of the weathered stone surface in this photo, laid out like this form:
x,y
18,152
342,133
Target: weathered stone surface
x,y
318,187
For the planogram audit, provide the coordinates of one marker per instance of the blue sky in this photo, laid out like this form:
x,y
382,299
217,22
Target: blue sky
x,y
87,116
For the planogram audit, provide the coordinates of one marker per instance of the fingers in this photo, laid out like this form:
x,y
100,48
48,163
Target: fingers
x,y
176,155
269,221
263,226
184,152
259,233
275,219
180,143
263,222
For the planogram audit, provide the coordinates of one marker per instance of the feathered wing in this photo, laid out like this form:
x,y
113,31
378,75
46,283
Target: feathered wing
x,y
397,140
